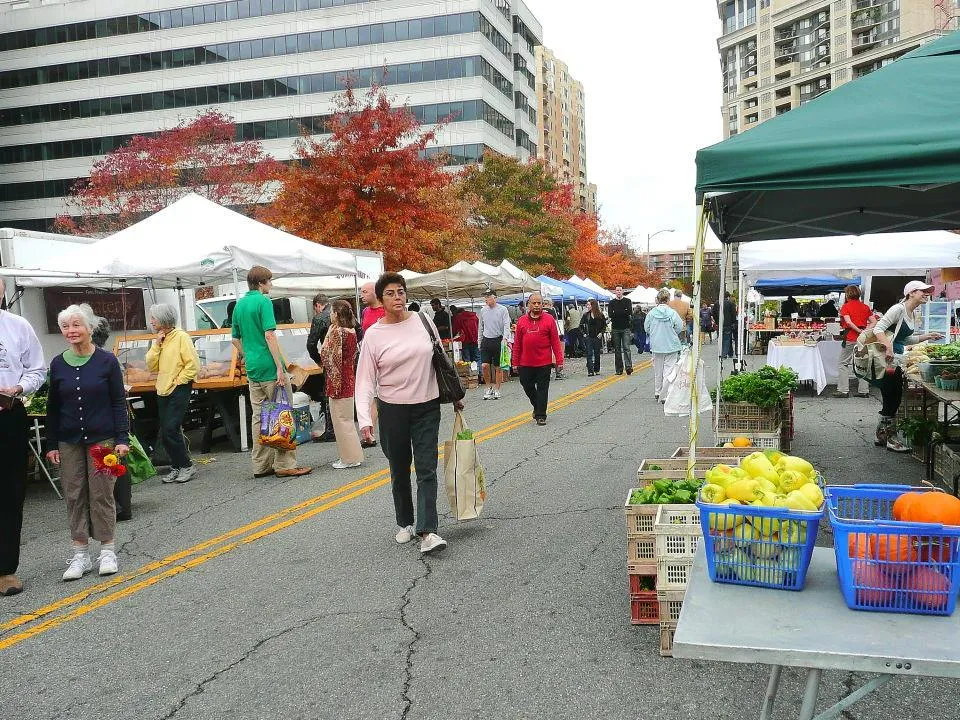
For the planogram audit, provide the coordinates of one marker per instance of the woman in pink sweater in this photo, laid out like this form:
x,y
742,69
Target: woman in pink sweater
x,y
395,361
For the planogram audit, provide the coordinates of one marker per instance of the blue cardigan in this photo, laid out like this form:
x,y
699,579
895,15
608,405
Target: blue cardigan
x,y
88,404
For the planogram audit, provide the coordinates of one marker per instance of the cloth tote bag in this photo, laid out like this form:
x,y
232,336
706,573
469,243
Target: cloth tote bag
x,y
463,474
870,356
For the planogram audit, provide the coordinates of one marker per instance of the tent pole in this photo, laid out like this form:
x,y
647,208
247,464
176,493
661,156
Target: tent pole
x,y
236,285
153,290
723,289
741,325
695,340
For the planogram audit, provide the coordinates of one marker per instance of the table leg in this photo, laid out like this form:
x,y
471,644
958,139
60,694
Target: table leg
x,y
766,710
834,712
244,444
810,694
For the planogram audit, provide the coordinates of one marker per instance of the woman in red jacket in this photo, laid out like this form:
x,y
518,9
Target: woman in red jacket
x,y
536,338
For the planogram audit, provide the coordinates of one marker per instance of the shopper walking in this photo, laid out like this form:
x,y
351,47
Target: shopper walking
x,y
895,330
86,407
682,308
396,360
620,310
706,323
639,332
466,329
854,316
573,335
254,337
173,357
535,340
337,355
22,372
494,327
319,327
441,318
728,331
663,326
594,325
373,308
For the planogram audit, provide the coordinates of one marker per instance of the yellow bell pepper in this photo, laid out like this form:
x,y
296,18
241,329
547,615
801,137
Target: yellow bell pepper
x,y
711,493
719,475
791,480
798,501
813,493
744,490
792,462
722,522
756,465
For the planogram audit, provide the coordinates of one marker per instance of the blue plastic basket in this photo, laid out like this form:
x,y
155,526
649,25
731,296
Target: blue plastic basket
x,y
778,559
924,576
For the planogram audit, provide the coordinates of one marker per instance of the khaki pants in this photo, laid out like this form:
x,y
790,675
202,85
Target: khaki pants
x,y
89,495
266,458
844,370
348,441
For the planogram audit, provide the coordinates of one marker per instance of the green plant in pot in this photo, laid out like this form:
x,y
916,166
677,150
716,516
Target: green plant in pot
x,y
919,431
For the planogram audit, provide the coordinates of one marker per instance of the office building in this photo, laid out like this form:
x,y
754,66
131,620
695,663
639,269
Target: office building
x,y
678,264
80,77
776,55
562,127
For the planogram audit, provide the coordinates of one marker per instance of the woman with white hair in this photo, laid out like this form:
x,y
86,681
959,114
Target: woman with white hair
x,y
174,358
86,407
663,325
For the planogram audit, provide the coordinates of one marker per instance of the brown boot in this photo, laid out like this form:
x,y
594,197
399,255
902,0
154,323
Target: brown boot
x,y
10,585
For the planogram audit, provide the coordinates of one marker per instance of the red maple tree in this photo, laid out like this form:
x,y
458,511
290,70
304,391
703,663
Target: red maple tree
x,y
150,172
369,186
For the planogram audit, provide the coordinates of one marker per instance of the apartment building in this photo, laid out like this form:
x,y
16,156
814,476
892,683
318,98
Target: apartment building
x,y
562,127
678,264
776,55
80,77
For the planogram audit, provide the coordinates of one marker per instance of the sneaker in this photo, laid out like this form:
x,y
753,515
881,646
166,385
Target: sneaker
x,y
186,474
619,372
541,421
341,465
862,395
488,394
171,477
839,394
432,543
78,566
495,396
629,371
108,562
894,444
405,535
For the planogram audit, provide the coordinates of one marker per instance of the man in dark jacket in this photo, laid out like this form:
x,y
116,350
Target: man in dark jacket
x,y
729,326
620,309
441,319
316,386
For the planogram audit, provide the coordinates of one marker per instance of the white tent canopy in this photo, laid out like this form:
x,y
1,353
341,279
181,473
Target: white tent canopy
x,y
643,296
464,280
910,253
592,287
192,242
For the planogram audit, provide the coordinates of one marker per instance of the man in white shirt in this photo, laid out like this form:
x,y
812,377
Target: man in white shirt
x,y
22,372
494,327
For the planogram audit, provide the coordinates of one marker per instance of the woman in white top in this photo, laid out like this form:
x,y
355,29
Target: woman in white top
x,y
895,331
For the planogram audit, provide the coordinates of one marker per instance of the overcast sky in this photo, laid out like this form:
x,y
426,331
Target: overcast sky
x,y
651,73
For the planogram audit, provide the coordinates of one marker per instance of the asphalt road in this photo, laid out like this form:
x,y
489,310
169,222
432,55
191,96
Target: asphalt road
x,y
243,598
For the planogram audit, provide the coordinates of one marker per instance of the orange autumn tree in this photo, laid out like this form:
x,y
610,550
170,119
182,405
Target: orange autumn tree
x,y
150,172
368,186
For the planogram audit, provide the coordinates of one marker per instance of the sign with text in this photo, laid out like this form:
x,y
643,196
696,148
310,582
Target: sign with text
x,y
122,308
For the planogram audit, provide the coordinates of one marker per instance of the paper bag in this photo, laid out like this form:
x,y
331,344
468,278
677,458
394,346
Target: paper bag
x,y
463,474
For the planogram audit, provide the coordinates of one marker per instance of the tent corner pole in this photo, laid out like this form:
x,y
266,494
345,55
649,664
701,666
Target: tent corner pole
x,y
694,369
723,289
236,284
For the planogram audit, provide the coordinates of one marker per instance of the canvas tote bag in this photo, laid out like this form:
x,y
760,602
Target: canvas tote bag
x,y
870,356
463,474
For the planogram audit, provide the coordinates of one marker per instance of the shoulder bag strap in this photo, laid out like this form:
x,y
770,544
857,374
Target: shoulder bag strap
x,y
426,326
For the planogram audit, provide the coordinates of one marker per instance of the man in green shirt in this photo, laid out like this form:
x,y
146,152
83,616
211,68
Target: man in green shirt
x,y
254,337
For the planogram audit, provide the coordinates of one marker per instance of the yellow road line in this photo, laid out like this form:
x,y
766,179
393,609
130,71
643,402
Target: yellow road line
x,y
360,487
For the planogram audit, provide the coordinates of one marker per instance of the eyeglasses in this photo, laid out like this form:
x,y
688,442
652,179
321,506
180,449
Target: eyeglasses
x,y
399,292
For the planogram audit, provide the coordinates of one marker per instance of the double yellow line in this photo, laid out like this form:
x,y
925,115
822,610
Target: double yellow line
x,y
122,586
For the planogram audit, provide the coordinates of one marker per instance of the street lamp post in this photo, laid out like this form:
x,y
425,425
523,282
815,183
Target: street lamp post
x,y
650,236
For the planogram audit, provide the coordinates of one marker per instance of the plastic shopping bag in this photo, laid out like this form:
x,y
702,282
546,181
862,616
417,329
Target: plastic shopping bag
x,y
281,426
679,387
462,473
138,462
504,354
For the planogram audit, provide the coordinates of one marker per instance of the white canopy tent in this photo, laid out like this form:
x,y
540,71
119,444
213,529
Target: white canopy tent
x,y
464,280
592,286
643,296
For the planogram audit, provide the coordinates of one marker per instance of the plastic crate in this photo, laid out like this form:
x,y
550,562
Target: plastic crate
x,y
670,468
639,517
641,550
924,582
667,631
673,573
645,608
639,584
677,532
761,441
670,603
735,555
742,418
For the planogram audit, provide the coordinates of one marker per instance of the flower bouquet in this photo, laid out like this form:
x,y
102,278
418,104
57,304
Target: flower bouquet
x,y
106,460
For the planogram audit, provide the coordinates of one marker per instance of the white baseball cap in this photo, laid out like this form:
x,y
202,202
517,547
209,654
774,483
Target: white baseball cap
x,y
916,285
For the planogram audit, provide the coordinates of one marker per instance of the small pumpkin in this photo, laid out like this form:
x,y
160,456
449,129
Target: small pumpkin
x,y
934,507
899,550
859,545
928,587
901,508
874,588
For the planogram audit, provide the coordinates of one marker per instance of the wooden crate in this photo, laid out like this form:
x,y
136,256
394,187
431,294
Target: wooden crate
x,y
946,462
728,456
667,631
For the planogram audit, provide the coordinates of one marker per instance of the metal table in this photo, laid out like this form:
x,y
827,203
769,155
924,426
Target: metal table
x,y
817,632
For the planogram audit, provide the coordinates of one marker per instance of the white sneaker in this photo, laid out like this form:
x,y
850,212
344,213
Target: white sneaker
x,y
488,394
405,535
108,562
171,477
78,566
496,395
186,474
432,543
341,465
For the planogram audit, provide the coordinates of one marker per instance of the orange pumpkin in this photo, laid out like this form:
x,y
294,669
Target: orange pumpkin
x,y
934,507
901,508
928,587
873,586
859,545
936,550
894,549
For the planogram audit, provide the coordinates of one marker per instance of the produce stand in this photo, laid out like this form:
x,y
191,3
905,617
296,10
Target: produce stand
x,y
818,633
814,362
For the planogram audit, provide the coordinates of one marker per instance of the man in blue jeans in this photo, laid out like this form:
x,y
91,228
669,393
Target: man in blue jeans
x,y
620,310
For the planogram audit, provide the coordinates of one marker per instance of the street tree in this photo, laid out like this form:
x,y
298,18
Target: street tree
x,y
148,173
368,185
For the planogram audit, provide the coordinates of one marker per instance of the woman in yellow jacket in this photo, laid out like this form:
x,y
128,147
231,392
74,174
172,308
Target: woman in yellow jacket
x,y
174,359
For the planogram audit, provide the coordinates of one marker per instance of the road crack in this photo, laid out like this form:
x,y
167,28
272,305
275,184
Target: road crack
x,y
414,639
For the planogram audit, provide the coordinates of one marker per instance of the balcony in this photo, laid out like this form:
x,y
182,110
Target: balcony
x,y
785,35
862,4
865,42
864,19
786,70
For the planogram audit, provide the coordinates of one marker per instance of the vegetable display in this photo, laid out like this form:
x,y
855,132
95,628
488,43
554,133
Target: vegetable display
x,y
766,387
943,353
666,492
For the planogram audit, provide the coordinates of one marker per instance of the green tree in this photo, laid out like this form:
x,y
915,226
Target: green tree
x,y
514,215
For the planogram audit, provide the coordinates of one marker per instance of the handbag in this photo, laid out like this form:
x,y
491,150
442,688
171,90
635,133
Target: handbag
x,y
463,474
282,426
870,356
448,381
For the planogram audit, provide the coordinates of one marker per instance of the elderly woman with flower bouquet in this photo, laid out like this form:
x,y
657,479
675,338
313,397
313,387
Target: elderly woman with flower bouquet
x,y
87,435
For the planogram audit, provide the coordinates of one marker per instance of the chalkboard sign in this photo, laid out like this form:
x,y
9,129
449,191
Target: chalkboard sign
x,y
105,303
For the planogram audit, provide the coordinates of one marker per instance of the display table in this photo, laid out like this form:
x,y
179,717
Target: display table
x,y
810,629
830,356
806,360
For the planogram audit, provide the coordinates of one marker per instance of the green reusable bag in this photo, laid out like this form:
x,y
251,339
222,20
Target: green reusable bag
x,y
504,355
138,463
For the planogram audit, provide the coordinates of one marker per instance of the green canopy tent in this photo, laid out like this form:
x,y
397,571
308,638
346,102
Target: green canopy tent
x,y
880,154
